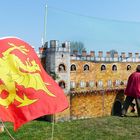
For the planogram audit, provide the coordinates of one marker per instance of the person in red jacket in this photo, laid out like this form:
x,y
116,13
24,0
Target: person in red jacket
x,y
132,91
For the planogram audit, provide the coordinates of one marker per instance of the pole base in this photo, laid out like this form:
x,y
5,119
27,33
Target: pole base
x,y
1,128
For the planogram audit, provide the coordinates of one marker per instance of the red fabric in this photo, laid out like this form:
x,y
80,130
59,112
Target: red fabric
x,y
44,104
133,85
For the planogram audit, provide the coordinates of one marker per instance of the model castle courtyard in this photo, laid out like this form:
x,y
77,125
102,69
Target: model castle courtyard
x,y
94,84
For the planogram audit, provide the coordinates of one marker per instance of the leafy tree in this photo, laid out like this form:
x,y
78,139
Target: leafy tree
x,y
79,46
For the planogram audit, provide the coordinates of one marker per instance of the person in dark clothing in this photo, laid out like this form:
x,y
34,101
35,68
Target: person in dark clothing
x,y
132,91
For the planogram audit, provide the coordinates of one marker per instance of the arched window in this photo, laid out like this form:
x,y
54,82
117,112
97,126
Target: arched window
x,y
103,67
114,68
62,84
128,67
61,68
73,67
86,67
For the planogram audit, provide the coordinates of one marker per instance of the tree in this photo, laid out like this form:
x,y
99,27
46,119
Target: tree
x,y
79,46
112,52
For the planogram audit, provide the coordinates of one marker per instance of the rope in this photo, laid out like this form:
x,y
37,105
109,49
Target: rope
x,y
52,136
92,17
12,138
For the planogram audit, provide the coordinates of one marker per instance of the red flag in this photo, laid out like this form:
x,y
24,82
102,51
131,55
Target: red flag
x,y
26,90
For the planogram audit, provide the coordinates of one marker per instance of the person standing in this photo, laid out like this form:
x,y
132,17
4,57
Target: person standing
x,y
132,91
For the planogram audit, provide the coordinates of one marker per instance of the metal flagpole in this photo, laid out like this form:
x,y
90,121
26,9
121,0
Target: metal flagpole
x,y
43,41
52,134
45,24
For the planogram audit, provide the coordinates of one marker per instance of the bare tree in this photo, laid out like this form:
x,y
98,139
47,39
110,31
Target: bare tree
x,y
75,45
112,52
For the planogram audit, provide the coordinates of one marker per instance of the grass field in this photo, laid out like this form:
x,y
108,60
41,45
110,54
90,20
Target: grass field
x,y
104,128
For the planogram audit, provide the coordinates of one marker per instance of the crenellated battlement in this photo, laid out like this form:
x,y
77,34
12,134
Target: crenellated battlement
x,y
55,45
92,56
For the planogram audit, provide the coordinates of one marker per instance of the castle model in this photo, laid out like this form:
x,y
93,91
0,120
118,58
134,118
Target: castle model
x,y
93,84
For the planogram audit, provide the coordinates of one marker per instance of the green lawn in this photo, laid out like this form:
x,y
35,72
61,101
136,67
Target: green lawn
x,y
104,128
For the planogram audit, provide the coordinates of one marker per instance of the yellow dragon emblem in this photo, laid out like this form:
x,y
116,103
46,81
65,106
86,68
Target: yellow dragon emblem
x,y
13,70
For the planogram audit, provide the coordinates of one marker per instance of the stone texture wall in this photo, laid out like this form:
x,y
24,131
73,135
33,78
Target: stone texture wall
x,y
93,101
95,74
65,115
90,102
63,58
94,104
86,106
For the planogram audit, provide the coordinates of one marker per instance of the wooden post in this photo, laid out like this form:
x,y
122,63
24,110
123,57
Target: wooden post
x,y
1,128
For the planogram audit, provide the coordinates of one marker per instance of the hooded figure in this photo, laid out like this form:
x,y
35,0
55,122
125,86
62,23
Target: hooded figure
x,y
132,91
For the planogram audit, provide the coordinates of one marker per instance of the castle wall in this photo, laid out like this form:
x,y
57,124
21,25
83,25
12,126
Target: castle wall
x,y
95,88
97,101
95,74
65,115
88,105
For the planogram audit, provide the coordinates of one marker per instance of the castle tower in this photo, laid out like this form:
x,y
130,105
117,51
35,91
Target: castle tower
x,y
42,55
58,63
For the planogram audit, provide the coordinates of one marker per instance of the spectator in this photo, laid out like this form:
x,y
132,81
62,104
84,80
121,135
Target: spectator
x,y
132,91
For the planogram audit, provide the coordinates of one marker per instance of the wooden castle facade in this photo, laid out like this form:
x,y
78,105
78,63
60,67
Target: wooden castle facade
x,y
93,84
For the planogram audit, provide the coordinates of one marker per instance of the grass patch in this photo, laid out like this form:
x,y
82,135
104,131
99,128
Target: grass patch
x,y
103,128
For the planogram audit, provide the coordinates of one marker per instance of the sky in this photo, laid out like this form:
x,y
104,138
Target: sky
x,y
102,25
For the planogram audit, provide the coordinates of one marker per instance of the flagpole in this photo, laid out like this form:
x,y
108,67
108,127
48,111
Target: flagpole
x,y
52,127
45,24
43,41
